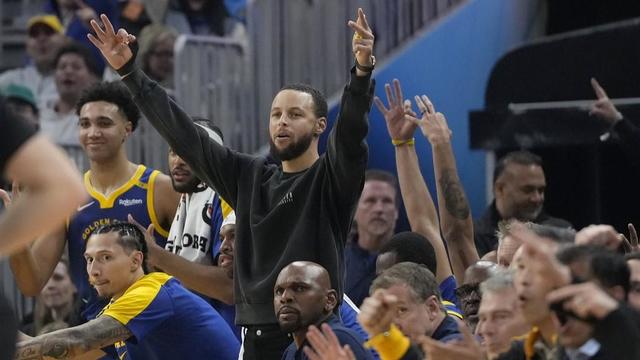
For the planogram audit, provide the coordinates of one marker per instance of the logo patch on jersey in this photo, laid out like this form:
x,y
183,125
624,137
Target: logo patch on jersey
x,y
130,202
288,198
207,210
80,208
86,232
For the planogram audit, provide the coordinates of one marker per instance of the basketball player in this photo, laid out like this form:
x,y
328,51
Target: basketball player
x,y
115,186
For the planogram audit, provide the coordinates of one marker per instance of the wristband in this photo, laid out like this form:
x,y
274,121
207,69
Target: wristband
x,y
366,68
409,142
130,66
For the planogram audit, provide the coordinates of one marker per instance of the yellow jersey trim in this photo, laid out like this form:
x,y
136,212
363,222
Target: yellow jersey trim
x,y
390,345
226,208
151,207
137,298
530,340
107,202
452,312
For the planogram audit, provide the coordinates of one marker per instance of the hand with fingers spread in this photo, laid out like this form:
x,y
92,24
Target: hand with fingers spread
x,y
465,349
433,124
603,108
632,242
326,346
377,312
586,300
401,121
362,43
113,46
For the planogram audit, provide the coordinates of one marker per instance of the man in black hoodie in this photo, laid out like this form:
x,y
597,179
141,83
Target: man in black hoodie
x,y
300,210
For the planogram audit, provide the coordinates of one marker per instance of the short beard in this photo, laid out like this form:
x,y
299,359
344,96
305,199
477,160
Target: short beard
x,y
292,151
188,187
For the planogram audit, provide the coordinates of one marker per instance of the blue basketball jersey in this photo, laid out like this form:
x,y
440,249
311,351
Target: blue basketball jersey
x,y
135,197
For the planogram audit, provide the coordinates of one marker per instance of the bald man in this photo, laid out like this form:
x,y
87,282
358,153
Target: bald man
x,y
468,293
303,296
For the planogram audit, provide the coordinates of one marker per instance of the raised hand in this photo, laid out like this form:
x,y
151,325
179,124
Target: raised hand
x,y
433,124
113,46
363,39
325,345
465,349
603,107
152,246
401,122
377,312
586,300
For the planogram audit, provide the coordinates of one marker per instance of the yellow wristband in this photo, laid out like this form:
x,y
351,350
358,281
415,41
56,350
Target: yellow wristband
x,y
409,142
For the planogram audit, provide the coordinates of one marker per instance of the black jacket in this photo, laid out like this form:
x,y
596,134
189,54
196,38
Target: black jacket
x,y
484,228
281,217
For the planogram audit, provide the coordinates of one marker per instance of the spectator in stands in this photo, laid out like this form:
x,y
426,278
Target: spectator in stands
x,y
412,247
621,128
56,303
518,186
499,316
375,222
469,295
633,261
201,17
21,101
610,272
44,40
416,310
303,296
75,72
155,56
75,16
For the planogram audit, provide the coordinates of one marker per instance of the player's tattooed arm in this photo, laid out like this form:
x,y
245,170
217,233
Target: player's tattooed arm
x,y
68,343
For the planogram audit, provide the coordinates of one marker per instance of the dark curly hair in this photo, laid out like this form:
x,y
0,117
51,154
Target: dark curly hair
x,y
114,92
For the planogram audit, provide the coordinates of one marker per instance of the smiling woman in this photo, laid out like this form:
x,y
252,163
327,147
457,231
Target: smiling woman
x,y
56,306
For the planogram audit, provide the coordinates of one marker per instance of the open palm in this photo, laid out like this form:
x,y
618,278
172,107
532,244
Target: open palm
x,y
397,116
113,46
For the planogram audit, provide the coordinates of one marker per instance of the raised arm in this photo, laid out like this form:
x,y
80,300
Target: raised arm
x,y
628,133
215,164
78,340
455,216
33,266
421,211
208,280
347,151
53,191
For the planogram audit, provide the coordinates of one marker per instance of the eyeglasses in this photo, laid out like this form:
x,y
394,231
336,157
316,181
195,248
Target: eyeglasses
x,y
466,290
